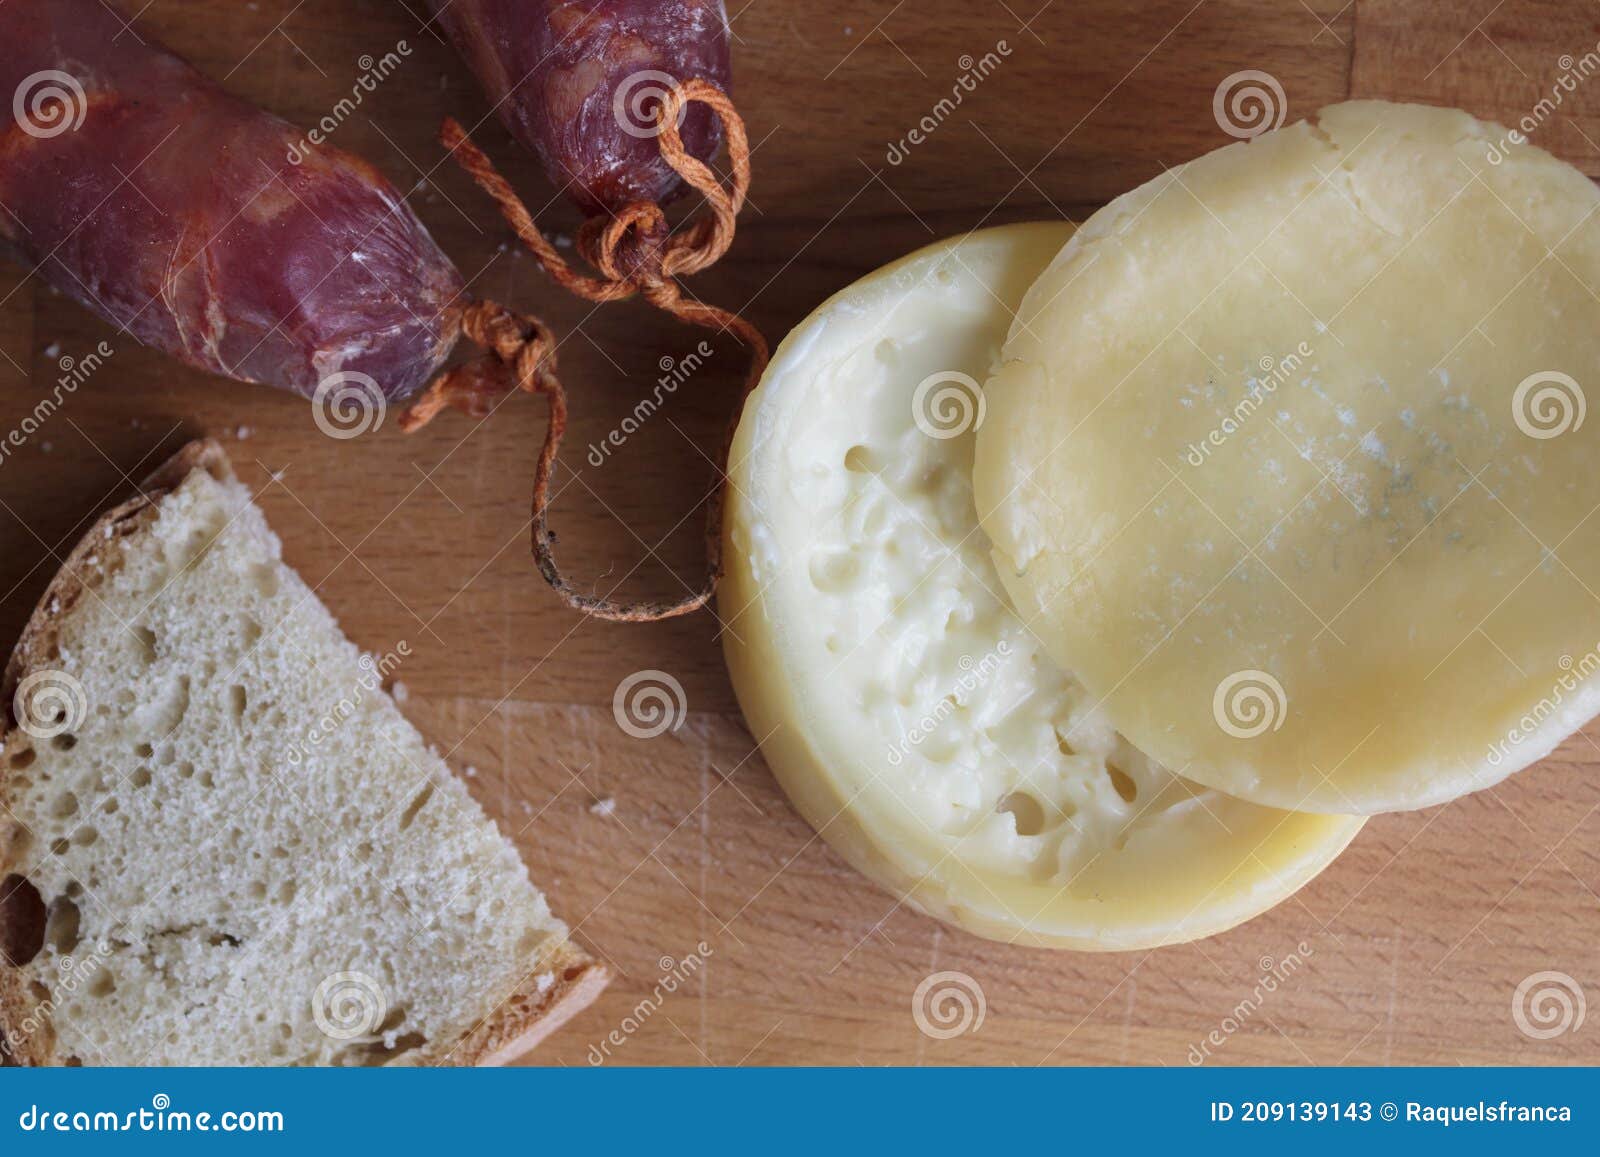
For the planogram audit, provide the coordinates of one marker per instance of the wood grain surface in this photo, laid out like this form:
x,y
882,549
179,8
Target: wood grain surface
x,y
1412,945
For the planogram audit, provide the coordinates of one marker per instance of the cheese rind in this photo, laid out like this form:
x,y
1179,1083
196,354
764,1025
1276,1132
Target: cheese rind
x,y
1287,460
907,711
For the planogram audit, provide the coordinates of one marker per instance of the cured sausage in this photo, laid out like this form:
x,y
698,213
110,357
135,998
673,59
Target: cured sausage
x,y
179,213
579,82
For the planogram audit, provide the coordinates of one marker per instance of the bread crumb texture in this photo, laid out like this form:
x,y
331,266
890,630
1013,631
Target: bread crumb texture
x,y
231,847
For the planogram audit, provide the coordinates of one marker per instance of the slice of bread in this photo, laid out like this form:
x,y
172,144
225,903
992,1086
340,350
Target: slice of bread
x,y
220,841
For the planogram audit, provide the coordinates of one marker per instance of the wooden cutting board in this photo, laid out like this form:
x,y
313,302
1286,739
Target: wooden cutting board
x,y
677,856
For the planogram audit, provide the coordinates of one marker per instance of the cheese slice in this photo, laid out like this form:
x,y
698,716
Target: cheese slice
x,y
911,716
1288,460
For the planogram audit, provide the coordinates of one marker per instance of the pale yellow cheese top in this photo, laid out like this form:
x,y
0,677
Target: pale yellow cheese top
x,y
1288,460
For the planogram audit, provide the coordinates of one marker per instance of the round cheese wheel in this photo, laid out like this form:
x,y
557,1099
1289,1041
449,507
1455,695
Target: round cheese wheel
x,y
1288,462
910,715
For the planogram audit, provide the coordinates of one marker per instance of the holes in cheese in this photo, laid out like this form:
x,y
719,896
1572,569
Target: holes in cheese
x,y
910,714
1287,460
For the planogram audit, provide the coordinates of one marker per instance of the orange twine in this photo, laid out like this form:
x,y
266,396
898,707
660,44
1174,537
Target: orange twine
x,y
634,254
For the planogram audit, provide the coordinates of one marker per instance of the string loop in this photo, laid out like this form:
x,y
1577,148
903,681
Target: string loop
x,y
633,253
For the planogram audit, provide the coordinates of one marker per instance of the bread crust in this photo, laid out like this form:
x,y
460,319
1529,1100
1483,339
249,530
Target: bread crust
x,y
527,1016
88,564
518,1023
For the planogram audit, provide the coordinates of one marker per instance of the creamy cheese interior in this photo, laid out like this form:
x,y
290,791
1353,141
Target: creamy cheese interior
x,y
909,711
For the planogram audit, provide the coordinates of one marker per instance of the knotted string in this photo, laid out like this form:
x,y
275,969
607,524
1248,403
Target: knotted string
x,y
634,253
